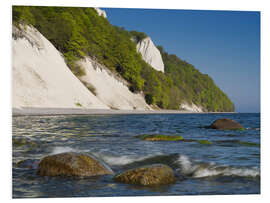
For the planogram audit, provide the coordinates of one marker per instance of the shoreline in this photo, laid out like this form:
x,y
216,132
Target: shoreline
x,y
31,111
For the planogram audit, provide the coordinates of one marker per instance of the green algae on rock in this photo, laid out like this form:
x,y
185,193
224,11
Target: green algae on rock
x,y
71,164
204,142
249,144
150,175
159,137
18,142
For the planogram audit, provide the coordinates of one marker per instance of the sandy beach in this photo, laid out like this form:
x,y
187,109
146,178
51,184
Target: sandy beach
x,y
78,111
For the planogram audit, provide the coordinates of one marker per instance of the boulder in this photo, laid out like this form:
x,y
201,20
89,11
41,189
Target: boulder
x,y
226,124
72,164
156,174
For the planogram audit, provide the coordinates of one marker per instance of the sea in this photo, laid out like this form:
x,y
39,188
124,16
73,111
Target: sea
x,y
229,163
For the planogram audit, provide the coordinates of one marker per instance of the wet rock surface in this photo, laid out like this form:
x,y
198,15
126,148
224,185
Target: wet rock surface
x,y
150,175
226,124
71,164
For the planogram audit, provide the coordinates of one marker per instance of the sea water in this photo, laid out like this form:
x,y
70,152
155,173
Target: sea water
x,y
229,165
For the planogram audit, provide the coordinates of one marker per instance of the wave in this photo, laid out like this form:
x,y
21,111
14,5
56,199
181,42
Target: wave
x,y
58,150
200,170
182,164
248,128
115,160
207,171
61,149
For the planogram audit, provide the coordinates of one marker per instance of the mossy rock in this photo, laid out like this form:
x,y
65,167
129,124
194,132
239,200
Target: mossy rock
x,y
18,142
72,164
204,142
159,137
226,124
249,144
150,175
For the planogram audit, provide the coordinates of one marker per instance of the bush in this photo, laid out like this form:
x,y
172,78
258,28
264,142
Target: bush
x,y
138,36
149,99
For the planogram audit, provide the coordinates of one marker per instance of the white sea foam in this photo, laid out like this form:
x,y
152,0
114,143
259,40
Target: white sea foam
x,y
199,170
114,160
226,171
58,150
185,164
121,160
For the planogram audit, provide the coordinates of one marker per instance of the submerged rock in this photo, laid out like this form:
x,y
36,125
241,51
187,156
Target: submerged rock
x,y
158,137
71,164
226,124
188,140
18,142
170,160
28,163
157,174
230,142
249,144
204,142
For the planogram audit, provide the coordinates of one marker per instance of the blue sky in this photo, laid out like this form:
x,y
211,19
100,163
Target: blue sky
x,y
222,44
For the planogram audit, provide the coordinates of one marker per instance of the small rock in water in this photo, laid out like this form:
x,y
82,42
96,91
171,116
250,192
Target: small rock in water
x,y
71,164
156,174
226,124
18,142
28,163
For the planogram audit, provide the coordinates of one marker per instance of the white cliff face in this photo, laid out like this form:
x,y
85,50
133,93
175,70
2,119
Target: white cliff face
x,y
40,77
150,54
109,88
190,107
101,12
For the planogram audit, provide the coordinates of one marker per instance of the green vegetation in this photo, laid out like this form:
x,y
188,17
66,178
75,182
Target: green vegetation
x,y
158,137
23,142
78,32
78,104
138,36
204,142
249,144
240,129
194,86
90,87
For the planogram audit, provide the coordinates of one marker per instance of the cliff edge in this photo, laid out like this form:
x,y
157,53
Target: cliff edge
x,y
150,54
40,76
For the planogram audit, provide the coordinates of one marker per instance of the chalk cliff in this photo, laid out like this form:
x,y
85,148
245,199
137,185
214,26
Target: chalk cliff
x,y
101,12
190,107
150,53
40,76
112,90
